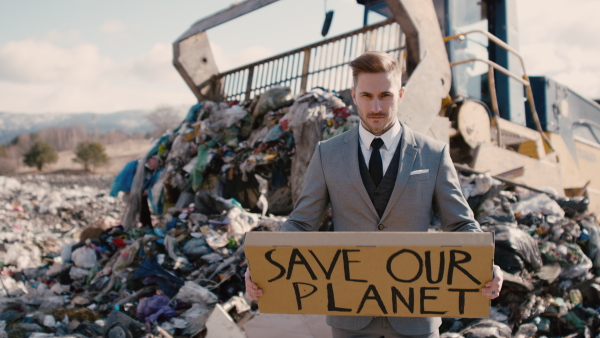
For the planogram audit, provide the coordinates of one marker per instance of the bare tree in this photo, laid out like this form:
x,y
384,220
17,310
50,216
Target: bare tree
x,y
163,118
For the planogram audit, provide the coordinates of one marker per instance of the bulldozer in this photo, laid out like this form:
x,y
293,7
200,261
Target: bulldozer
x,y
466,84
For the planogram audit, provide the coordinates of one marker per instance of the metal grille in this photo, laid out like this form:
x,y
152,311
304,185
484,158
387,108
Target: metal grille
x,y
322,64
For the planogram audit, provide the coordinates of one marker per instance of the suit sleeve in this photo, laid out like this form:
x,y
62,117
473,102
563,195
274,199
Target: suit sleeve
x,y
314,198
452,207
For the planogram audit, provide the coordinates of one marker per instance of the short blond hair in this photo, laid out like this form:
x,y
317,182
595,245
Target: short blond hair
x,y
376,62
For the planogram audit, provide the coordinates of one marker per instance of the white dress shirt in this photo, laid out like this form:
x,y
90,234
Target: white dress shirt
x,y
390,138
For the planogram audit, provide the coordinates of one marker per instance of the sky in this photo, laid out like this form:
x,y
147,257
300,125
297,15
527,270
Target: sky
x,y
71,56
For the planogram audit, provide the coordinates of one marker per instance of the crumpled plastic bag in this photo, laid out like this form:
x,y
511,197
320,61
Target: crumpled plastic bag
x,y
84,257
119,324
539,203
526,330
592,245
542,323
127,256
124,180
515,249
263,187
52,303
10,284
170,243
215,240
89,330
225,118
8,185
78,273
193,112
487,328
273,99
196,317
274,133
200,166
23,256
193,293
168,282
151,308
241,222
574,205
476,184
196,248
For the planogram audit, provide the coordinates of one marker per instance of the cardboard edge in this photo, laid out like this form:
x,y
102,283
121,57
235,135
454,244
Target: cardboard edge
x,y
375,239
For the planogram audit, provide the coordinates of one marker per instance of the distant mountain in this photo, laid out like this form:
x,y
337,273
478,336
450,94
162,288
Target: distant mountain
x,y
129,121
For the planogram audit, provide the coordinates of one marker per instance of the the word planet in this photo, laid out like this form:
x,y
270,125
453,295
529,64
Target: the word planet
x,y
372,274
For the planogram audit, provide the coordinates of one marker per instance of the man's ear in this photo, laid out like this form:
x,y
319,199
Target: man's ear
x,y
353,93
401,93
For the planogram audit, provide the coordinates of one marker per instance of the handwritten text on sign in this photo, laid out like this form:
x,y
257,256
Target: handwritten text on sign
x,y
384,280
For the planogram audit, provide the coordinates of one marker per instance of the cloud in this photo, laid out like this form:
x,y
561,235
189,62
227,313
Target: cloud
x,y
582,82
153,66
32,61
113,26
64,38
565,45
227,60
103,97
39,76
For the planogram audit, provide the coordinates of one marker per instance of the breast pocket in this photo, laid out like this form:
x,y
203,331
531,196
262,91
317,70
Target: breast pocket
x,y
418,178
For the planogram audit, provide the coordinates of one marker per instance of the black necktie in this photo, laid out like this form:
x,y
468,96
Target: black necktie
x,y
375,163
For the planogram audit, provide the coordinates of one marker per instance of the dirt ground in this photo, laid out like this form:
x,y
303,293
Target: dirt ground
x,y
118,154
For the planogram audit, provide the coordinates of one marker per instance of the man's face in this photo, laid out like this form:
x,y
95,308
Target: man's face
x,y
377,96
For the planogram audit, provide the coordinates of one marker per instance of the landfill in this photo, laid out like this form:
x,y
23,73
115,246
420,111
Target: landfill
x,y
158,251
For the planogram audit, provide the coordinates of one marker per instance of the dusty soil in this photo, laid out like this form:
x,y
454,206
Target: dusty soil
x,y
118,154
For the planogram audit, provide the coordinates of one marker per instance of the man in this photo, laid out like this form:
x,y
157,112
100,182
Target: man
x,y
381,176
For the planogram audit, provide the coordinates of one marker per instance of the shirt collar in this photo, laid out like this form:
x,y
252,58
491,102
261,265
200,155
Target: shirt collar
x,y
388,137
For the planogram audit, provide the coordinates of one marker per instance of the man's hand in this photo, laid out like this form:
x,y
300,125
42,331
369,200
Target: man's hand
x,y
492,289
252,289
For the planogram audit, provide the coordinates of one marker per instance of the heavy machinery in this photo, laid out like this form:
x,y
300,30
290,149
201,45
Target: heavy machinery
x,y
465,83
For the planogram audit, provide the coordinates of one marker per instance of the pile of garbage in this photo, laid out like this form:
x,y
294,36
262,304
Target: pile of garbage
x,y
39,216
255,152
549,250
172,262
43,213
69,268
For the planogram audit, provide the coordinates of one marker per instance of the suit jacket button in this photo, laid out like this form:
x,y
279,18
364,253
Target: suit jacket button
x,y
380,227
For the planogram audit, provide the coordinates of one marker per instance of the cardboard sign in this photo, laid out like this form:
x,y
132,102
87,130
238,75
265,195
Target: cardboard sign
x,y
405,274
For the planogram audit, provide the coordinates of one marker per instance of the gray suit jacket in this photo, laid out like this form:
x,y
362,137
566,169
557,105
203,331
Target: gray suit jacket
x,y
426,179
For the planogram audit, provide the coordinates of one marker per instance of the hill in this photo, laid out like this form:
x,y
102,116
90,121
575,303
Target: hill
x,y
129,122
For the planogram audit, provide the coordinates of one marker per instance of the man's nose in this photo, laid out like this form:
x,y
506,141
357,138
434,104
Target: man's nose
x,y
376,106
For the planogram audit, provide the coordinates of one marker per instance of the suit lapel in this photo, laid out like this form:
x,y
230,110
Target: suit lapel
x,y
407,159
352,165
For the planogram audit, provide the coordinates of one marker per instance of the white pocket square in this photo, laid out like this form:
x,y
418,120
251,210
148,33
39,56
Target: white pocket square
x,y
417,172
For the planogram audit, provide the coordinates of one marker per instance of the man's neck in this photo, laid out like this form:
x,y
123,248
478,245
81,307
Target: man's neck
x,y
378,134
